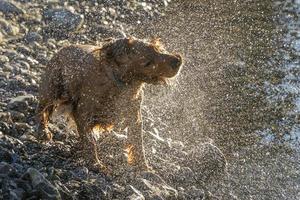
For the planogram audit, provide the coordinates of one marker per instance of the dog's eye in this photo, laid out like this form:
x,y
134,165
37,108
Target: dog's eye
x,y
148,64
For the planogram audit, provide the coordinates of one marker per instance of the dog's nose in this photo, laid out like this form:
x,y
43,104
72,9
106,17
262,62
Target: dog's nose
x,y
176,62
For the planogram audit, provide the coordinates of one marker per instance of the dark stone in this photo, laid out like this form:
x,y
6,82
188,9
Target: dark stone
x,y
24,50
17,116
17,194
33,37
44,189
4,127
6,155
8,170
62,21
20,103
21,128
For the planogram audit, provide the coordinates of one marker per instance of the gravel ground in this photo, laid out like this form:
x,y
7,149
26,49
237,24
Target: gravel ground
x,y
31,31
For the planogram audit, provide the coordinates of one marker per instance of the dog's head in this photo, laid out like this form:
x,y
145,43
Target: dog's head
x,y
144,61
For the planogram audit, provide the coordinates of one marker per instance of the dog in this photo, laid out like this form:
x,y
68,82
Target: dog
x,y
104,86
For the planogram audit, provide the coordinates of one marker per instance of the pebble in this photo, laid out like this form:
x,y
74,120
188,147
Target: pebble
x,y
63,20
3,59
24,50
6,156
17,116
21,127
7,169
20,103
4,127
8,28
24,65
11,54
33,37
9,7
1,38
7,68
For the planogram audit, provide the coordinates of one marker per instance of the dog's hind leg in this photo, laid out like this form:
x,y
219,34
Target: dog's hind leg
x,y
50,94
44,112
88,143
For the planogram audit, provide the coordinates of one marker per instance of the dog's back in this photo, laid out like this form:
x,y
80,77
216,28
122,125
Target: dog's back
x,y
68,70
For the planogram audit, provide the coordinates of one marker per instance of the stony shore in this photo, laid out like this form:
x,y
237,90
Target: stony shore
x,y
31,31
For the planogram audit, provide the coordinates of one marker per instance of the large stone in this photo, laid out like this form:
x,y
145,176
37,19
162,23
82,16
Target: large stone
x,y
9,7
62,20
45,189
20,103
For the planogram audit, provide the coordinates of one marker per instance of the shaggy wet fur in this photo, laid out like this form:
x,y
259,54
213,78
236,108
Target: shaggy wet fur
x,y
103,85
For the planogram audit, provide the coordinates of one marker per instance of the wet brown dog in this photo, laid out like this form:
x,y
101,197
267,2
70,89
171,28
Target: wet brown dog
x,y
103,86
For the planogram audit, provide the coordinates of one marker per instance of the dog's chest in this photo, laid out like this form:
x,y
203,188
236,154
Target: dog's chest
x,y
128,101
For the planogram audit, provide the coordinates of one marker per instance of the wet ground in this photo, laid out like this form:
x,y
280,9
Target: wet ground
x,y
238,91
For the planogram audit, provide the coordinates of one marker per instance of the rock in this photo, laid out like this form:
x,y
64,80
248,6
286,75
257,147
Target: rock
x,y
17,194
8,170
11,54
6,155
24,49
20,103
28,137
81,173
9,7
45,190
7,67
33,37
8,28
3,59
4,116
21,127
17,116
1,38
62,20
4,127
24,65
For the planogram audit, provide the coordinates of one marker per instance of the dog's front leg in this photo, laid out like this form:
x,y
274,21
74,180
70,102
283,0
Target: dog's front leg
x,y
135,146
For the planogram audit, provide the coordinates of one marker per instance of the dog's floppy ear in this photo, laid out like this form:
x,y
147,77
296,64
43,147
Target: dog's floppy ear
x,y
119,47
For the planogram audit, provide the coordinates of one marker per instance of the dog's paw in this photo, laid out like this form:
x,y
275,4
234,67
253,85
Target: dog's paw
x,y
44,134
99,167
141,167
